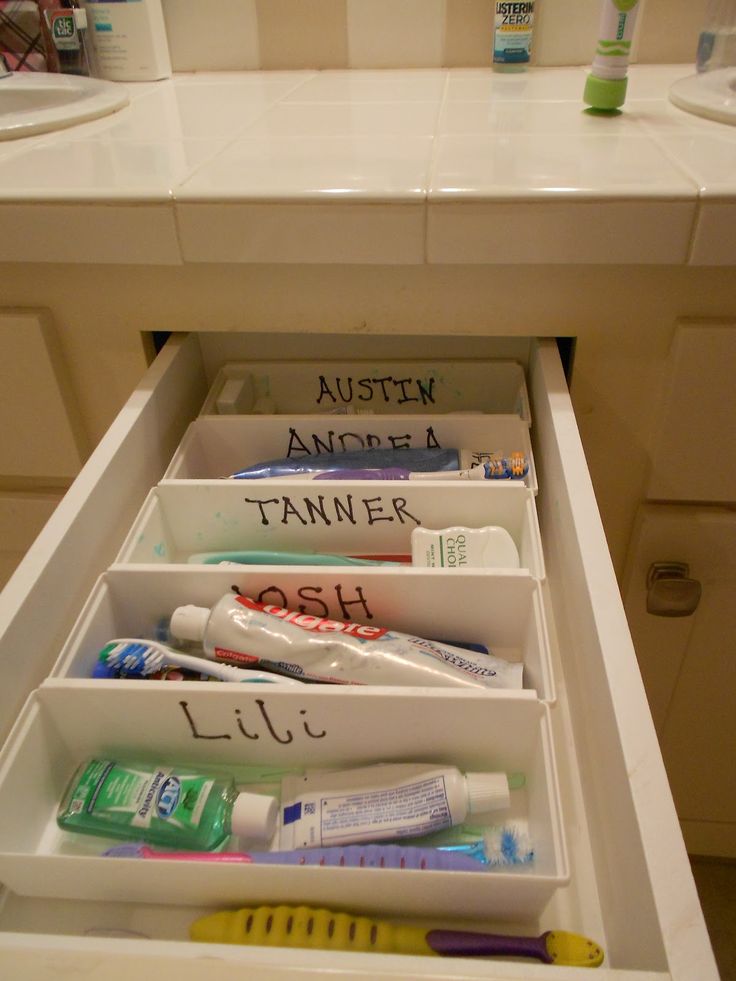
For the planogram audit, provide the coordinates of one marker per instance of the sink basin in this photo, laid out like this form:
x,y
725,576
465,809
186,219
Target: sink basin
x,y
710,94
38,102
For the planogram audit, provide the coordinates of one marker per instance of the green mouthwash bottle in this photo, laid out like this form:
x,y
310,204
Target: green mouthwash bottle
x,y
174,807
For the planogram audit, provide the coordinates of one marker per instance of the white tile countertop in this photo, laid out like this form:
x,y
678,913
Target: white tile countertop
x,y
410,166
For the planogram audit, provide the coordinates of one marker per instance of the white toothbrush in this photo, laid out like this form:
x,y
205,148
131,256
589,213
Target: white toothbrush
x,y
136,658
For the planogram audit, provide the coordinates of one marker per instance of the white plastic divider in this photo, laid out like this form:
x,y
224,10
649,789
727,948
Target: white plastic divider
x,y
218,446
503,612
375,387
183,518
60,727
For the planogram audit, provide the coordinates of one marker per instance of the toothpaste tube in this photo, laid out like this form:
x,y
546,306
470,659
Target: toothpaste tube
x,y
239,630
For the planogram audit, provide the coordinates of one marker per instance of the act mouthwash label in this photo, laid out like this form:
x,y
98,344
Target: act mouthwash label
x,y
139,798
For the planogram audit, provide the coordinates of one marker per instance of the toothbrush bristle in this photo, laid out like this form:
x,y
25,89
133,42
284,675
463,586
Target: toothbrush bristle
x,y
134,659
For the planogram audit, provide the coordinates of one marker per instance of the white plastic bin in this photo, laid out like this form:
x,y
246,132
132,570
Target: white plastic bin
x,y
504,612
60,727
180,519
375,387
218,446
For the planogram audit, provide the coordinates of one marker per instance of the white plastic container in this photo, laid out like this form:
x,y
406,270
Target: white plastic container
x,y
128,39
217,446
369,387
182,518
59,726
505,613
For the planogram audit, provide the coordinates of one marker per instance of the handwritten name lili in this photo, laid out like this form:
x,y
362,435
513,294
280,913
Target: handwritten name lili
x,y
253,726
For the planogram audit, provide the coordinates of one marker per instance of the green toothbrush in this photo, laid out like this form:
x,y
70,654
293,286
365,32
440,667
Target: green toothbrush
x,y
302,926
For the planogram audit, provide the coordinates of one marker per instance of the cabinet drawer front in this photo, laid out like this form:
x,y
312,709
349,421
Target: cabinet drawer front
x,y
630,886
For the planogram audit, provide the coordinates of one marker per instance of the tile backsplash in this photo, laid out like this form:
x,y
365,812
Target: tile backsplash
x,y
221,35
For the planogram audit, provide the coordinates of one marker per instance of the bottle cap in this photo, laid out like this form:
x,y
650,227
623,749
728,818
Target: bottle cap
x,y
189,622
254,817
605,94
487,792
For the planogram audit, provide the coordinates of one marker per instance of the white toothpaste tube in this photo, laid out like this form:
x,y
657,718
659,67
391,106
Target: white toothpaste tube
x,y
239,630
383,802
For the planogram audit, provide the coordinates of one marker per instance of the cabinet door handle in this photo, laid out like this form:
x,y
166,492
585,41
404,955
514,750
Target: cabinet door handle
x,y
670,590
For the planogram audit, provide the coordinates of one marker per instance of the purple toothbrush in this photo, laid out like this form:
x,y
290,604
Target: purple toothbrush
x,y
350,856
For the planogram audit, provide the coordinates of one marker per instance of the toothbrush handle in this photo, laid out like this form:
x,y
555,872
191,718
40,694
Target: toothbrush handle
x,y
375,857
227,672
459,943
350,856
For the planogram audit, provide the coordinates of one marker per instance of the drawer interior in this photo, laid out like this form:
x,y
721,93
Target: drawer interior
x,y
184,519
602,855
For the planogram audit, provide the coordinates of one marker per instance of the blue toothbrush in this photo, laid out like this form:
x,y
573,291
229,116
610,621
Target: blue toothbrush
x,y
132,658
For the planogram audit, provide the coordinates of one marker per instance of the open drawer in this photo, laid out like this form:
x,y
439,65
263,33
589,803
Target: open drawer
x,y
630,886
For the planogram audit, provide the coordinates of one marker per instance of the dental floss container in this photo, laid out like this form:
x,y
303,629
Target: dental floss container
x,y
128,39
464,548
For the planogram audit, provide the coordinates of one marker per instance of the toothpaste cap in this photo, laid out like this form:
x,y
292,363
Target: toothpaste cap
x,y
254,817
487,792
189,622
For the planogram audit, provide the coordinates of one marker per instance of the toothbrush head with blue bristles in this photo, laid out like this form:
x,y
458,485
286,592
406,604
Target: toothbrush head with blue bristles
x,y
128,657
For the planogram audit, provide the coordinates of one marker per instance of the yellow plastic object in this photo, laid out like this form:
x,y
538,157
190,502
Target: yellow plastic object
x,y
573,950
301,926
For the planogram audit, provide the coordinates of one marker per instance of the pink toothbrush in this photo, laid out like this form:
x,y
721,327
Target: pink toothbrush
x,y
350,856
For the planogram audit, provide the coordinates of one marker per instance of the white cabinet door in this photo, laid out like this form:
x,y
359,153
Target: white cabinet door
x,y
688,665
42,435
693,456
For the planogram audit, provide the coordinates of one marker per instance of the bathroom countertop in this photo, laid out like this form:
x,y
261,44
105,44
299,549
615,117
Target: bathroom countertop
x,y
400,167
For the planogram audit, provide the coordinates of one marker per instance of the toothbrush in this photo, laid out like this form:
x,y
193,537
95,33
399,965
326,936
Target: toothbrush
x,y
512,467
400,463
134,658
301,926
350,856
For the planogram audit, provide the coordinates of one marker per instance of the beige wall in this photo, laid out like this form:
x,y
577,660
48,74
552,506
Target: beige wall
x,y
272,34
623,318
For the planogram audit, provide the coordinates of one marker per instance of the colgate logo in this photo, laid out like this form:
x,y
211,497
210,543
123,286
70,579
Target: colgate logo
x,y
307,621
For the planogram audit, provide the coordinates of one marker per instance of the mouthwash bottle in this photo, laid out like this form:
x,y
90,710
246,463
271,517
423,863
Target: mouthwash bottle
x,y
174,807
513,26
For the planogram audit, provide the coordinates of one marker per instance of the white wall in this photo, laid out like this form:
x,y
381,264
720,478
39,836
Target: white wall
x,y
271,34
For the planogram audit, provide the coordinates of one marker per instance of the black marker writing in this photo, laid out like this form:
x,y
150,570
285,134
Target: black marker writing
x,y
318,508
376,388
284,738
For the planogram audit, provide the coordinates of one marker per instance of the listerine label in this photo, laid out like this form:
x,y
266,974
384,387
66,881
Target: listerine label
x,y
512,36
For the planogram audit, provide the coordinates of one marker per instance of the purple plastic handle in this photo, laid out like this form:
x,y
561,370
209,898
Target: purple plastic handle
x,y
381,473
458,943
350,856
376,857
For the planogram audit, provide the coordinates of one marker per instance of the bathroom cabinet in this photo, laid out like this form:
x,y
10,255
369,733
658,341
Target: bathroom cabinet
x,y
629,884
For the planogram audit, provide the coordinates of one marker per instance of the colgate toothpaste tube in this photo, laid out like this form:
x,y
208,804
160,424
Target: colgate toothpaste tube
x,y
239,630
